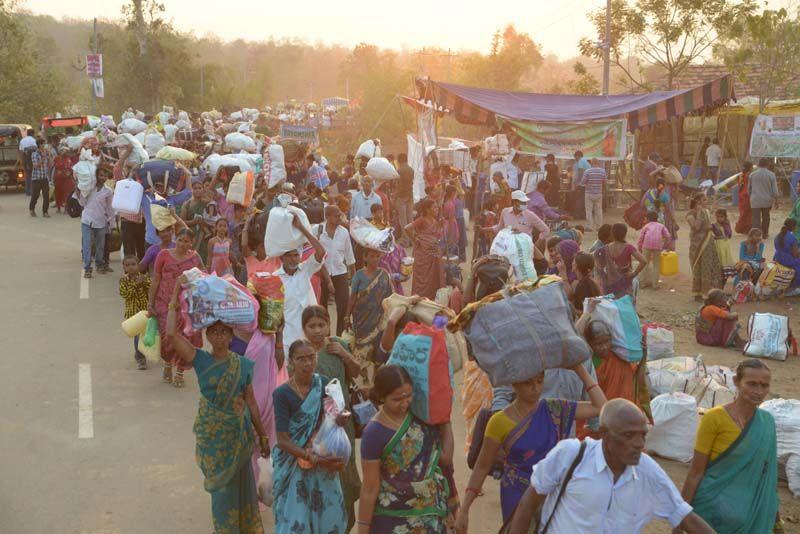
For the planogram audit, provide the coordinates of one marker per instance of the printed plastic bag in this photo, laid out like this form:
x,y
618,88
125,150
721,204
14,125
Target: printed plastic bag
x,y
318,176
265,480
768,334
281,235
331,440
268,289
207,298
366,235
422,351
150,332
517,248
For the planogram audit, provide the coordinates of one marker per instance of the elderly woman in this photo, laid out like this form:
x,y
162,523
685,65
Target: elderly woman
x,y
224,424
716,325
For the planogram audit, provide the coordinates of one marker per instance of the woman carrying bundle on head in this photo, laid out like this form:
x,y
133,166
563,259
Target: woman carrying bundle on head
x,y
225,421
733,479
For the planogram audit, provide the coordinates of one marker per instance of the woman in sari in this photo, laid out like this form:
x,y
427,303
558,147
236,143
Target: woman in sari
x,y
334,361
745,222
192,212
392,262
224,426
62,177
170,265
706,267
562,255
370,285
523,433
306,488
426,233
614,265
733,479
787,250
404,488
450,234
715,324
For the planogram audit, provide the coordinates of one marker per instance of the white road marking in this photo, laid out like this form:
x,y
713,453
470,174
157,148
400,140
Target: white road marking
x,y
84,292
85,409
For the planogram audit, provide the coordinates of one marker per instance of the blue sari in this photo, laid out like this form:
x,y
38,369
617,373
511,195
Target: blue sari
x,y
530,441
785,256
225,443
306,500
739,490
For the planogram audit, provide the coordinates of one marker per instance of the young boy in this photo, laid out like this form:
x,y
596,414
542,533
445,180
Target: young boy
x,y
653,238
134,288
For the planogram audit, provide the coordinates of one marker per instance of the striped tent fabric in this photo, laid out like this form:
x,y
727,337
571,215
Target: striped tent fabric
x,y
478,106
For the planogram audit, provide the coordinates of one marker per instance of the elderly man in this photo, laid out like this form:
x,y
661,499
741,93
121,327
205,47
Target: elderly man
x,y
363,200
764,194
606,486
296,277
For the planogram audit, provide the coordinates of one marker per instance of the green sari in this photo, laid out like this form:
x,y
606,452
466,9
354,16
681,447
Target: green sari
x,y
739,490
332,366
225,443
202,234
368,294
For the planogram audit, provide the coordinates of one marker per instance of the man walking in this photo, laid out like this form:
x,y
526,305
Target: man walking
x,y
763,189
405,195
713,159
593,180
605,486
580,166
41,167
339,261
27,146
96,220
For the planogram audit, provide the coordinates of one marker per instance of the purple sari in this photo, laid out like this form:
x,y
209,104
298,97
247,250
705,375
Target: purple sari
x,y
391,263
529,442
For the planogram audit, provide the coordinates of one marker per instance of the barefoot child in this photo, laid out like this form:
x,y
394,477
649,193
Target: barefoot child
x,y
134,288
653,238
219,249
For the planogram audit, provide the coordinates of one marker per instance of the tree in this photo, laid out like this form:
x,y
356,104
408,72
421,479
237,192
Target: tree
x,y
667,34
29,89
586,83
764,49
512,56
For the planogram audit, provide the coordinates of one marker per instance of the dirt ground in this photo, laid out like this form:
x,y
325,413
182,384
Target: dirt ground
x,y
674,305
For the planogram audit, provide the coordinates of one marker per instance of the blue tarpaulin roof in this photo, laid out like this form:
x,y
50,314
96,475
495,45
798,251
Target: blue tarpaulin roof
x,y
475,105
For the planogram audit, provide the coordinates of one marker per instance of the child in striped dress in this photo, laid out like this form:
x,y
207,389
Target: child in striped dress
x,y
134,288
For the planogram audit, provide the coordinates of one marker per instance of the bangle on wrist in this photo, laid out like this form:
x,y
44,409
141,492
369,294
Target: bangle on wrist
x,y
595,385
365,523
476,491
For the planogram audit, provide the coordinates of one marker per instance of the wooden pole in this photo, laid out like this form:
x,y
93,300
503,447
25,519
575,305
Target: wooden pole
x,y
699,146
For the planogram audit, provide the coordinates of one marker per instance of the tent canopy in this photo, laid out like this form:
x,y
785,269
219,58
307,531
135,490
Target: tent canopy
x,y
474,105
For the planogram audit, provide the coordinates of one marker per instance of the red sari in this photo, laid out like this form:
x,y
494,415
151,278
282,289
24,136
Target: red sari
x,y
745,221
62,177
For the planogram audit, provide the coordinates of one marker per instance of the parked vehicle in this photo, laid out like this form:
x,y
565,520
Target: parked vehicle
x,y
12,170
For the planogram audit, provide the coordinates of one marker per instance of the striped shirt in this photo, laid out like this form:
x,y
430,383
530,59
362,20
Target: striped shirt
x,y
135,292
593,180
41,166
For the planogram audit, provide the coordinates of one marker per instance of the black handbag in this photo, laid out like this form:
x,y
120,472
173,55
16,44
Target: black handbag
x,y
74,208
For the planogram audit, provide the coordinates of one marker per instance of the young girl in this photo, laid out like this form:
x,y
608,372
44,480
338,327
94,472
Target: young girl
x,y
751,258
722,236
584,285
653,238
219,248
134,288
482,241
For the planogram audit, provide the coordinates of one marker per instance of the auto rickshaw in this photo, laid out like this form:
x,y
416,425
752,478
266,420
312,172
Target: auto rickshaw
x,y
12,169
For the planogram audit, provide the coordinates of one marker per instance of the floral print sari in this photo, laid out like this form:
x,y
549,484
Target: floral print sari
x,y
225,443
307,501
413,493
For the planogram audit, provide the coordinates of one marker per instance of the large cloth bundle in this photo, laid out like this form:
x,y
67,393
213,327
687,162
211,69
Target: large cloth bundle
x,y
424,312
368,149
274,165
673,374
138,154
132,126
207,298
421,350
169,132
173,153
659,340
621,318
775,279
786,413
159,171
675,426
268,289
519,332
241,188
213,163
517,248
768,334
84,172
74,142
153,142
239,141
366,235
281,235
496,145
381,169
127,196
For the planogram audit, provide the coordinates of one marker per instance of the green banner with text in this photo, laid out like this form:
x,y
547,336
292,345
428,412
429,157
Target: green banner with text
x,y
604,140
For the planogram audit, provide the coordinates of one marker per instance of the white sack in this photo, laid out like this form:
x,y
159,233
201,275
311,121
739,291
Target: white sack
x,y
169,132
381,169
366,235
768,334
660,343
132,126
673,434
153,142
214,161
138,155
275,166
368,149
281,235
238,141
672,374
517,248
786,413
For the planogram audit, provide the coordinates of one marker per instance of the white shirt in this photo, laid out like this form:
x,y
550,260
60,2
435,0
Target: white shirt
x,y
512,175
713,155
339,249
28,141
592,501
298,294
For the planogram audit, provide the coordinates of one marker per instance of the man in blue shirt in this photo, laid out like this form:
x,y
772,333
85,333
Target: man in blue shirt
x,y
361,205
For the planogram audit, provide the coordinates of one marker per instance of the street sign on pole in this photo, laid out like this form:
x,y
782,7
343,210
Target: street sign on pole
x,y
98,88
94,65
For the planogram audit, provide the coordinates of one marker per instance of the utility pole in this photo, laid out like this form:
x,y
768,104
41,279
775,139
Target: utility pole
x,y
607,49
202,87
94,44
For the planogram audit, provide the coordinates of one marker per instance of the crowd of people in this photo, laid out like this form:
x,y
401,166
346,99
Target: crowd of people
x,y
567,442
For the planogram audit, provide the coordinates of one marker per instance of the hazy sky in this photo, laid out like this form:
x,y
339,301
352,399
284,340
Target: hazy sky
x,y
556,25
